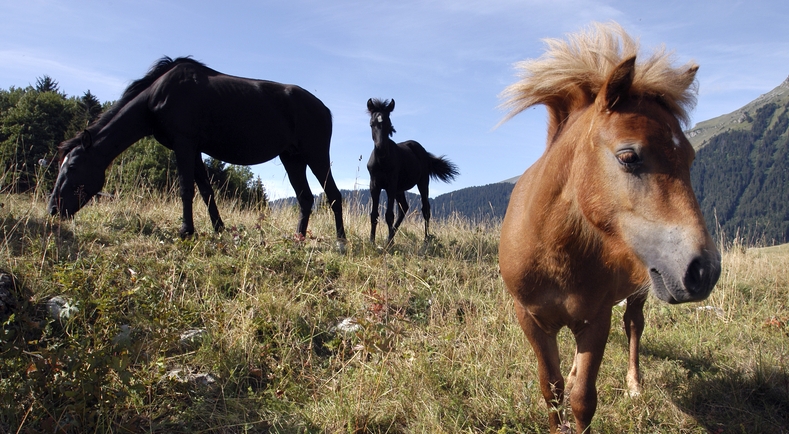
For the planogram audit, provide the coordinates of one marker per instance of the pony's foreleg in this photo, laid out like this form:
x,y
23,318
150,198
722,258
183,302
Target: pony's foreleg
x,y
207,193
590,342
634,327
296,168
546,350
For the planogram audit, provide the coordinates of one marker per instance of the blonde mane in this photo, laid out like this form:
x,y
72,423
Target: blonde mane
x,y
570,74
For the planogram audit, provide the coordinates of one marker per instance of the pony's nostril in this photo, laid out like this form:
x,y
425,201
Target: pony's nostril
x,y
700,277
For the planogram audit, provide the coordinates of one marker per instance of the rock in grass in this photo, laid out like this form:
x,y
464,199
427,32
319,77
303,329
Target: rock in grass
x,y
192,338
182,376
61,309
348,325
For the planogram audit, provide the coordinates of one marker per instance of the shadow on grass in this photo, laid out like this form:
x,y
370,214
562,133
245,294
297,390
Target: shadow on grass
x,y
728,399
21,234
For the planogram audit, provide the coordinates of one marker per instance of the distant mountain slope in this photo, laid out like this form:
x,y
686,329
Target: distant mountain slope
x,y
740,176
487,202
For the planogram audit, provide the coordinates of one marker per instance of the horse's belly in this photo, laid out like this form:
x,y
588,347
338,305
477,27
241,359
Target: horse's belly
x,y
244,155
244,146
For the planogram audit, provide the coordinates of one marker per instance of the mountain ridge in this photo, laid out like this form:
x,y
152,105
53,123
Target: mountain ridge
x,y
701,133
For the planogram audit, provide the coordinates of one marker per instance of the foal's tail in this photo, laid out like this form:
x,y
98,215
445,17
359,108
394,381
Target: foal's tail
x,y
442,169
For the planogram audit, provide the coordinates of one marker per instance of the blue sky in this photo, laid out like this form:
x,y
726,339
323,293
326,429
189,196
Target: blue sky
x,y
443,61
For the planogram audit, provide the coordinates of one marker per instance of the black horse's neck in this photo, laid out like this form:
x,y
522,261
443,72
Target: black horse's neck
x,y
125,128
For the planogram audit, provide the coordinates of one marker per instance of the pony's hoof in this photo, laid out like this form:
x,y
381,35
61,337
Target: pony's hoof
x,y
634,391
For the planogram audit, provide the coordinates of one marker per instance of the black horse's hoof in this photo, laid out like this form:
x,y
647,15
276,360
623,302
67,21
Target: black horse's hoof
x,y
186,232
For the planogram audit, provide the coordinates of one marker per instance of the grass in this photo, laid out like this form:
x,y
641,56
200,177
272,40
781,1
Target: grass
x,y
295,337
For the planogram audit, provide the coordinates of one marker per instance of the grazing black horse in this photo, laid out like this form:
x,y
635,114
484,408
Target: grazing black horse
x,y
193,109
397,167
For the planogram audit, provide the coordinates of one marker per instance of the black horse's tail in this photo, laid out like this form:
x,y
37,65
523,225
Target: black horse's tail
x,y
442,169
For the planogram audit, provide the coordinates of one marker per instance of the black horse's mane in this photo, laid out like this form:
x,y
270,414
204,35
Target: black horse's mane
x,y
159,68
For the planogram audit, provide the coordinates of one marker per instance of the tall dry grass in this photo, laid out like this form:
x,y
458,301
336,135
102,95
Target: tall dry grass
x,y
297,337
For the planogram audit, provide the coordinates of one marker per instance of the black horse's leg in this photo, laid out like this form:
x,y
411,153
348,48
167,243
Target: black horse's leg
x,y
322,171
402,209
207,193
375,194
297,174
185,158
423,195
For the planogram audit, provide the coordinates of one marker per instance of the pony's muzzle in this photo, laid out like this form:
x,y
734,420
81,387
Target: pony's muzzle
x,y
700,277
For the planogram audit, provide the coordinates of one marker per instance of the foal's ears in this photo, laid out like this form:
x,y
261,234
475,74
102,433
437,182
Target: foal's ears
x,y
617,87
372,108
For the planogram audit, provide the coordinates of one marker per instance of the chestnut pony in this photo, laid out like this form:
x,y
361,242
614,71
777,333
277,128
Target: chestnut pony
x,y
607,212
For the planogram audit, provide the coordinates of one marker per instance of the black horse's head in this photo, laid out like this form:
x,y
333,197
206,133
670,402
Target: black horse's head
x,y
379,118
79,178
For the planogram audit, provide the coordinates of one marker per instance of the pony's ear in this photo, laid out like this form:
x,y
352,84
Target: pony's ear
x,y
690,75
370,107
390,107
617,87
86,139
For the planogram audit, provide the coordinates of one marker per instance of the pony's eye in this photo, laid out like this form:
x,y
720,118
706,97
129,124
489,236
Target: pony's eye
x,y
628,158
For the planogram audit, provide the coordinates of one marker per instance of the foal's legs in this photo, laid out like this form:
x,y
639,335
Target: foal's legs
x,y
207,192
389,215
375,194
634,326
423,195
547,352
297,174
402,209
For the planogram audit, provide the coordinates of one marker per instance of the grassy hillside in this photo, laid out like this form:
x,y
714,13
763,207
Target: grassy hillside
x,y
291,336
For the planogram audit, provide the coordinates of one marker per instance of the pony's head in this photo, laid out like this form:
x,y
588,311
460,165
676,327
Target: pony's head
x,y
380,123
634,161
79,178
615,131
